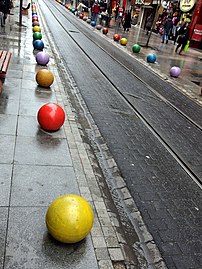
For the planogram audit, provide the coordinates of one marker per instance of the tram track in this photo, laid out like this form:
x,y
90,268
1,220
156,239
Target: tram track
x,y
183,164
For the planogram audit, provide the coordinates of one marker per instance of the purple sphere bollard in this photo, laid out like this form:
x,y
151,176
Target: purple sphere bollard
x,y
175,71
42,58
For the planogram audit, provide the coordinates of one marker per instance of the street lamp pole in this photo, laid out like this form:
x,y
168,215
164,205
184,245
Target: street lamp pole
x,y
154,21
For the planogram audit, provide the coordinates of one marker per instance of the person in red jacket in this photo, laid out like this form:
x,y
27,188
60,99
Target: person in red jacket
x,y
95,11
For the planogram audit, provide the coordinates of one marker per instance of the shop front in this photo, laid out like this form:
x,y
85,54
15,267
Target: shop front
x,y
196,27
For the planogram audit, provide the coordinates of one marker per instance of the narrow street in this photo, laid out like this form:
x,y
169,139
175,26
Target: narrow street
x,y
131,145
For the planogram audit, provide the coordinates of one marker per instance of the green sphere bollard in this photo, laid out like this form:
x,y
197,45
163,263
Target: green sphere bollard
x,y
136,48
37,35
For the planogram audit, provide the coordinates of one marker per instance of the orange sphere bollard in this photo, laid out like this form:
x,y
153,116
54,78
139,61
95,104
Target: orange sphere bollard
x,y
69,218
44,78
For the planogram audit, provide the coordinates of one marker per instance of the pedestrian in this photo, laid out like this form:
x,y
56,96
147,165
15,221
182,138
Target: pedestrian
x,y
149,23
178,27
95,11
175,22
127,21
5,7
167,28
117,12
183,37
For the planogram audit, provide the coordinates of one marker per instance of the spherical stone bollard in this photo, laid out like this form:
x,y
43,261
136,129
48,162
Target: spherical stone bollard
x,y
88,21
42,58
51,117
35,19
38,44
66,6
175,71
81,16
37,35
36,29
98,27
93,23
85,18
136,48
151,58
123,41
69,218
35,23
117,37
105,31
44,78
34,16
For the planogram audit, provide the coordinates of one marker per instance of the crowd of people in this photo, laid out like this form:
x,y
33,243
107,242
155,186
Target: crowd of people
x,y
170,27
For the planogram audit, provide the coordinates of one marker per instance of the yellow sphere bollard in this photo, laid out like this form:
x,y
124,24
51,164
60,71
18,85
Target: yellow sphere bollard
x,y
123,41
44,78
69,218
36,29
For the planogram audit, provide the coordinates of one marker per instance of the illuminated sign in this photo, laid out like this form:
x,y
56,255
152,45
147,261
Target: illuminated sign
x,y
186,5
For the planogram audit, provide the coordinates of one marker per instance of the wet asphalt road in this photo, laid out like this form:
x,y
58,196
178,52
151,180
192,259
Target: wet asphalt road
x,y
153,133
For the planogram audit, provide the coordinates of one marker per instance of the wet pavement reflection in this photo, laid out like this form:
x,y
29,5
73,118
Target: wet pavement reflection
x,y
189,62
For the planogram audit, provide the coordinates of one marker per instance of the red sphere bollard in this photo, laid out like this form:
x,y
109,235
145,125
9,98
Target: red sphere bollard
x,y
81,16
51,117
117,37
105,30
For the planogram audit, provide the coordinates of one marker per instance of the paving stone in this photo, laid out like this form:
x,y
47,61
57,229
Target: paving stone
x,y
5,183
42,151
10,107
105,264
41,185
37,94
99,242
3,227
8,124
116,254
102,254
7,148
111,241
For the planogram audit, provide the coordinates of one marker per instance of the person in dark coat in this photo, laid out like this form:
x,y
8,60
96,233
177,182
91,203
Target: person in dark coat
x,y
127,21
167,28
183,37
5,6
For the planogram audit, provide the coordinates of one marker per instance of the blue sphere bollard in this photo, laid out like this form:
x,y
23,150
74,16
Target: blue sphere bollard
x,y
93,23
38,44
151,58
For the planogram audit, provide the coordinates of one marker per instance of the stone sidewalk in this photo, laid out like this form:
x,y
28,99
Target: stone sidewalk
x,y
37,167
